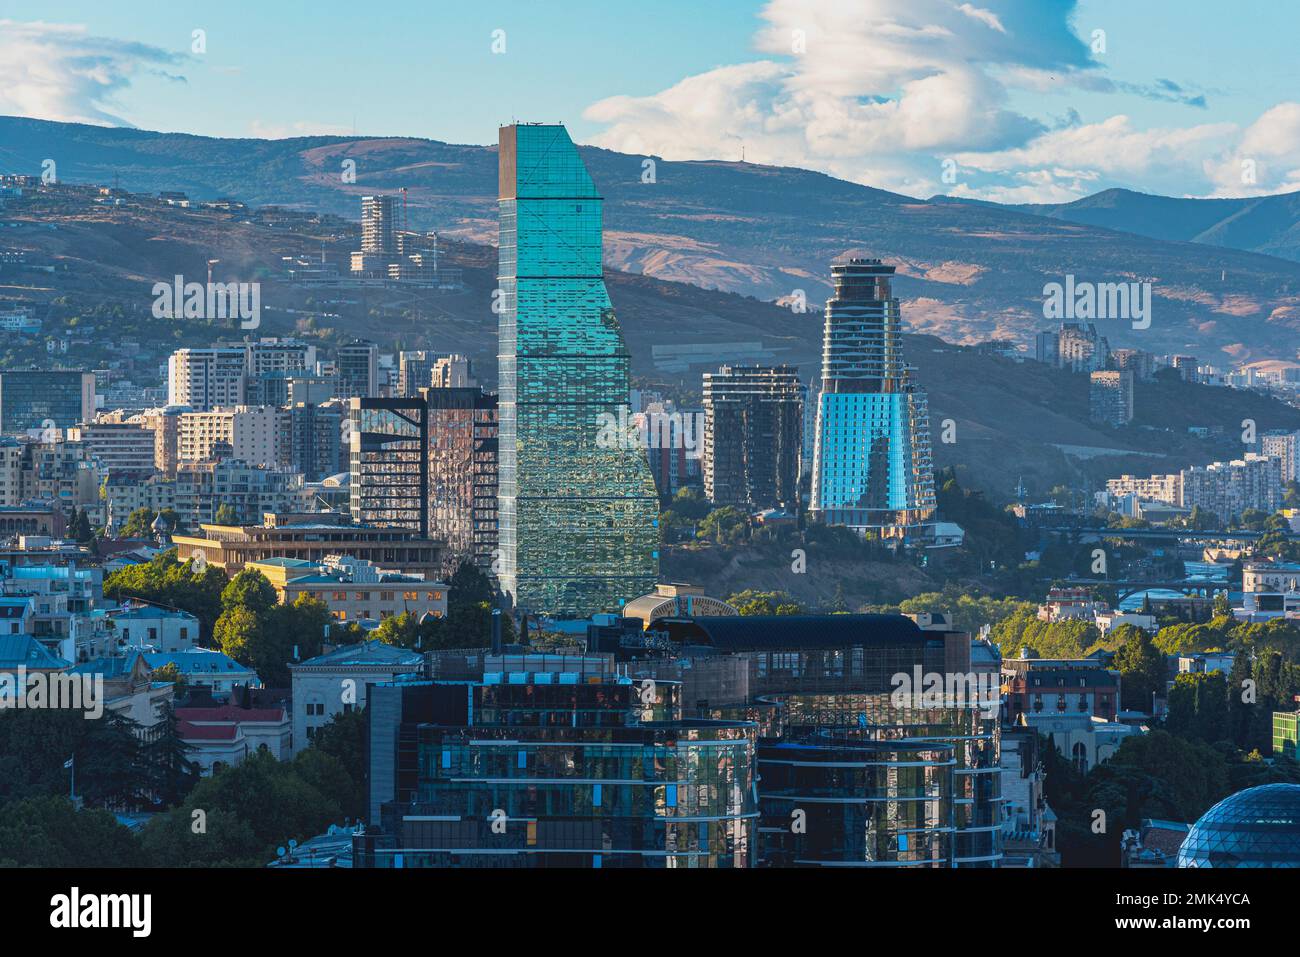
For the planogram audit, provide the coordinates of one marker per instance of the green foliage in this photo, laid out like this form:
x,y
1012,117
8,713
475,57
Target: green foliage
x,y
111,766
1156,775
691,504
167,581
139,524
1141,667
343,738
725,526
751,602
1072,638
49,832
1198,706
248,811
993,540
251,590
265,636
967,612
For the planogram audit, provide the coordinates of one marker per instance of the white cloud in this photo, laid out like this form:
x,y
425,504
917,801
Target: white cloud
x,y
882,92
987,17
60,72
263,129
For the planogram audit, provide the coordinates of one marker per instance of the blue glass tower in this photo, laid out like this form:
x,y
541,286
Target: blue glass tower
x,y
577,512
871,453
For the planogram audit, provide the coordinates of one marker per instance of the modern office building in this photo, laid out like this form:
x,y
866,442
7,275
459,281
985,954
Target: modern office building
x,y
357,364
577,511
389,463
881,779
414,372
316,439
871,458
545,768
1110,397
463,447
205,379
753,436
45,399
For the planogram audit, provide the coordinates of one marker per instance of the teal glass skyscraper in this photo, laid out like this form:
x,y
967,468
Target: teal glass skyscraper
x,y
577,512
871,454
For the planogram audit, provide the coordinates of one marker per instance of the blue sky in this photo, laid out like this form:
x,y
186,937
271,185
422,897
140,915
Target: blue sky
x,y
1012,100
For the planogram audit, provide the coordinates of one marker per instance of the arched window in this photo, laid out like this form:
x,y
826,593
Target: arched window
x,y
1080,755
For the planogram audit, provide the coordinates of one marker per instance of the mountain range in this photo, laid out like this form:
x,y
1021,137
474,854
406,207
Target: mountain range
x,y
1225,278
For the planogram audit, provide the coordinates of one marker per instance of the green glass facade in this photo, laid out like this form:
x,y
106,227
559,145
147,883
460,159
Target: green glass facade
x,y
577,513
1285,734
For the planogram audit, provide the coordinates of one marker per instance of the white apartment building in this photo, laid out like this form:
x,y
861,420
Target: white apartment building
x,y
1153,488
206,379
203,487
278,355
1229,488
124,492
119,446
1285,447
254,435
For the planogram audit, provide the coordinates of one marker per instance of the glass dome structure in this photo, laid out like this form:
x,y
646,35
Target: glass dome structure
x,y
1258,827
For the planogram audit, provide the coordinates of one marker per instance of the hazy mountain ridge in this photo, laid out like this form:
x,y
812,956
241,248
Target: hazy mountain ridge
x,y
969,271
1008,417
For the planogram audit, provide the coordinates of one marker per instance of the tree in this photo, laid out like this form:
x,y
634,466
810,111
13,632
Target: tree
x,y
301,626
165,580
751,602
238,633
343,738
1141,667
1198,706
726,525
171,774
226,515
249,589
690,503
48,832
35,744
247,811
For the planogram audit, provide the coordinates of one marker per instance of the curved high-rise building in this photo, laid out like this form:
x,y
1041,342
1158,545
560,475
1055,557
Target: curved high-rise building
x,y
577,503
871,451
